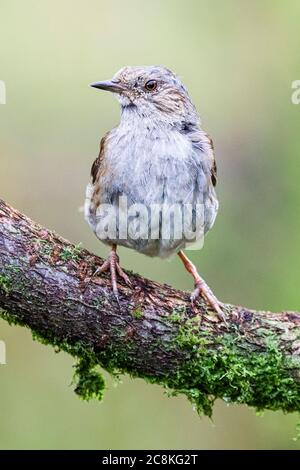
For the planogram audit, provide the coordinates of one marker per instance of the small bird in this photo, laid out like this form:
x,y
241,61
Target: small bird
x,y
157,158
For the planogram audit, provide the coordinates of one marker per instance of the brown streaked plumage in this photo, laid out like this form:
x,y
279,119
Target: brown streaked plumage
x,y
101,157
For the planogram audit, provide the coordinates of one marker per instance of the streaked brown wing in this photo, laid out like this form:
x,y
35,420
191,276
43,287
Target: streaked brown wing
x,y
203,143
214,164
98,163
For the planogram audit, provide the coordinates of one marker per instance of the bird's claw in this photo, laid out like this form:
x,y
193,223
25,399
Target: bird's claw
x,y
202,290
112,264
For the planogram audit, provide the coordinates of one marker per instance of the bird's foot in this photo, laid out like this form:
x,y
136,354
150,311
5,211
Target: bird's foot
x,y
112,264
202,290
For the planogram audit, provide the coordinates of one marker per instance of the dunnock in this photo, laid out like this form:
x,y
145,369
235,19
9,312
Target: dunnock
x,y
155,169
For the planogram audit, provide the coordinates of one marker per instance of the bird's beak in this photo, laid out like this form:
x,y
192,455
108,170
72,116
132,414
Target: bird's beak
x,y
108,85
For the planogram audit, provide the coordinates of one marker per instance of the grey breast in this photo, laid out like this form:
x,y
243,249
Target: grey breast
x,y
154,170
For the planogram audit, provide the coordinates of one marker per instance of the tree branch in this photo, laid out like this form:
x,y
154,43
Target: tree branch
x,y
47,284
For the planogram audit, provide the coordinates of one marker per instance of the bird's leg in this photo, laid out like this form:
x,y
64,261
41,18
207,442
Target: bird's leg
x,y
201,288
112,264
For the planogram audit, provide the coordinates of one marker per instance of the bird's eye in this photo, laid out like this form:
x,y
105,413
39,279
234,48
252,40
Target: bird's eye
x,y
151,85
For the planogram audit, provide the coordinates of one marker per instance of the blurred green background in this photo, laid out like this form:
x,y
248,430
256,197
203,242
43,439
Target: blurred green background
x,y
238,59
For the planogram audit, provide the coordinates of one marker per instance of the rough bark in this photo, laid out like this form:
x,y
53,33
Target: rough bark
x,y
48,285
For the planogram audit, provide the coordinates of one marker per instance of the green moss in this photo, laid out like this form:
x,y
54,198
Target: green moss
x,y
13,269
177,314
261,380
5,283
11,280
137,313
89,382
69,253
66,254
115,362
11,320
45,247
209,366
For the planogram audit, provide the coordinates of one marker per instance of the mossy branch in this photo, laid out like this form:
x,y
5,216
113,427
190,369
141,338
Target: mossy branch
x,y
47,285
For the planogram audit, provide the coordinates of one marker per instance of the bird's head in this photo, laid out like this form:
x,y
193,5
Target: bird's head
x,y
151,91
